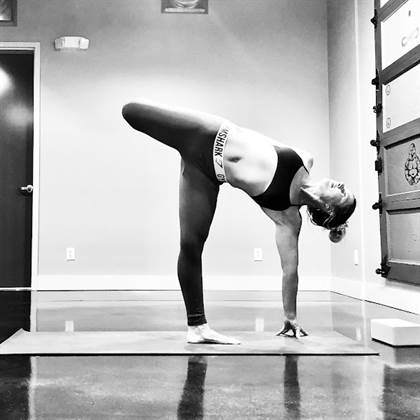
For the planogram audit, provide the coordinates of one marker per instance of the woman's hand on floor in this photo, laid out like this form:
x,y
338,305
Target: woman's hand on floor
x,y
294,327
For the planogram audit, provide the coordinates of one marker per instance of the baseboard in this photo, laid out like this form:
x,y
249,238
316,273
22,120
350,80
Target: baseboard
x,y
399,296
66,282
395,295
348,287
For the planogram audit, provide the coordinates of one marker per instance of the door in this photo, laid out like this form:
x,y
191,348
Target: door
x,y
16,166
397,42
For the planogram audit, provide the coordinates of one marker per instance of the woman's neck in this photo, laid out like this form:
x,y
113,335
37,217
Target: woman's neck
x,y
308,194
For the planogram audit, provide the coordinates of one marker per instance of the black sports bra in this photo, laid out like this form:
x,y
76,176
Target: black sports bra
x,y
277,195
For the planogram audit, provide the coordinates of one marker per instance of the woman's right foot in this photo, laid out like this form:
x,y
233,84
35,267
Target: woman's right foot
x,y
203,334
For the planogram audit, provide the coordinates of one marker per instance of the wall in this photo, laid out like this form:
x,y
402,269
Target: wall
x,y
111,192
345,162
351,63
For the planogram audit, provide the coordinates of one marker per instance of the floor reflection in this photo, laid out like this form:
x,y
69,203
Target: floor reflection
x,y
198,387
15,385
191,402
292,396
398,357
400,398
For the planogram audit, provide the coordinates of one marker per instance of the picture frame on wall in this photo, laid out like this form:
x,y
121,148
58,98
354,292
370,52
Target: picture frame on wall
x,y
185,6
8,12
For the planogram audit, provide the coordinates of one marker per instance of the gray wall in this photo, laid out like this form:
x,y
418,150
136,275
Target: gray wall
x,y
344,127
111,192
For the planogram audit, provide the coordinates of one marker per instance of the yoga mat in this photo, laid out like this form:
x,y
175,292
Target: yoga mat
x,y
173,343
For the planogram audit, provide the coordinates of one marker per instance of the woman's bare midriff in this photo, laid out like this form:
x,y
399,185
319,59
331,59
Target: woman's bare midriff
x,y
250,160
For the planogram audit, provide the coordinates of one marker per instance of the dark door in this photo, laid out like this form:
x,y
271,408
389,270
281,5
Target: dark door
x,y
397,40
16,167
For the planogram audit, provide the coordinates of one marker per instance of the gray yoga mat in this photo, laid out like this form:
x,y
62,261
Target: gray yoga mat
x,y
173,343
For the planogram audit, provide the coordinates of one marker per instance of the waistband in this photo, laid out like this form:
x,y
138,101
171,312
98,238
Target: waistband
x,y
219,150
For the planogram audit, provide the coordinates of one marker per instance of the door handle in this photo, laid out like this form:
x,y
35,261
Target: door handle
x,y
27,190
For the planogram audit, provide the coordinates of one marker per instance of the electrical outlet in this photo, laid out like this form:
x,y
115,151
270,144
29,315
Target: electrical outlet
x,y
259,324
258,254
356,257
69,326
70,254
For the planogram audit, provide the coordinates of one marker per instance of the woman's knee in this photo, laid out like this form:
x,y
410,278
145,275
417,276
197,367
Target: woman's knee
x,y
192,247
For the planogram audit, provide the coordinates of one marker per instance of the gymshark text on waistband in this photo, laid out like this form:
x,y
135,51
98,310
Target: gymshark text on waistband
x,y
218,152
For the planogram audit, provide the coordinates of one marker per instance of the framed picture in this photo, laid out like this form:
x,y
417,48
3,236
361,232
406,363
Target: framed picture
x,y
185,6
8,13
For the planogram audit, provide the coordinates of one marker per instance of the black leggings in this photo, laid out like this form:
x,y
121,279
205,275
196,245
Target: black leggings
x,y
192,135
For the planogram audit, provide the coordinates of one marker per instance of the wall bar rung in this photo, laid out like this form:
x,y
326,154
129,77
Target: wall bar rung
x,y
402,65
389,8
411,129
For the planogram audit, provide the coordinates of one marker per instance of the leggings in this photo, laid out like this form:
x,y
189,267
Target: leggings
x,y
192,135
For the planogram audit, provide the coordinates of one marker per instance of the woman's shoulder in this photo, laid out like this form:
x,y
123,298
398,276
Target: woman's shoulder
x,y
289,217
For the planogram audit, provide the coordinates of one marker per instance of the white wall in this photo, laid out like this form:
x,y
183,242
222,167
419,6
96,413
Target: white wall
x,y
344,127
109,191
352,125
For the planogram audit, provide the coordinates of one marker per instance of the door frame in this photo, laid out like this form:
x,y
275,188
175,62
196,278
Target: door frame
x,y
392,269
35,47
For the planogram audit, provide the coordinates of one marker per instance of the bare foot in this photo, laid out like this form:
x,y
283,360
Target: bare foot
x,y
203,334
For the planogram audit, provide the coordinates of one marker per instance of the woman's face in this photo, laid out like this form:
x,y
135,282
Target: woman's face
x,y
334,193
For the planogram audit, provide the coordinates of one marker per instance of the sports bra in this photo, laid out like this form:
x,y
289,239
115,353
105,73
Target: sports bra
x,y
277,195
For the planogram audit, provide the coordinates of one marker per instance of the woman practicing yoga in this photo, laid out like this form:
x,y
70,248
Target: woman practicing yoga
x,y
214,151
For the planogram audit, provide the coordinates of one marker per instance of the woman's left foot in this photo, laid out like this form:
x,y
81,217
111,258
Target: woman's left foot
x,y
203,334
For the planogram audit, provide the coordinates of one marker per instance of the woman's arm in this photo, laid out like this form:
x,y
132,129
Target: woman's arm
x,y
287,244
288,224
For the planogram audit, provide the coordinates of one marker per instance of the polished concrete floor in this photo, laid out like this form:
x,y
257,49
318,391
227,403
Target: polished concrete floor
x,y
196,387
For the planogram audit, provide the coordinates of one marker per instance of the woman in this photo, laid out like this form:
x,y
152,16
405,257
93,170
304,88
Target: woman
x,y
214,151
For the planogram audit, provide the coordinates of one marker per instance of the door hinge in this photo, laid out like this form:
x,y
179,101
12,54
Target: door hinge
x,y
374,20
377,109
376,143
385,268
378,165
378,204
375,81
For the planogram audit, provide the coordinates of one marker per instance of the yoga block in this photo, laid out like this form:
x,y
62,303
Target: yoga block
x,y
396,332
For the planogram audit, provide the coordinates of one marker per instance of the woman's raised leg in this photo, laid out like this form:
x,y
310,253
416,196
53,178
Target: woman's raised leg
x,y
174,127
